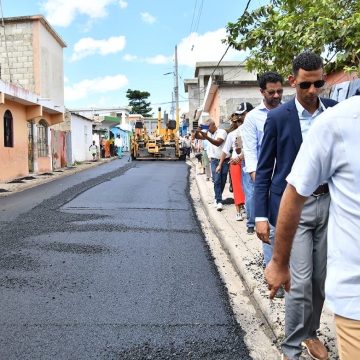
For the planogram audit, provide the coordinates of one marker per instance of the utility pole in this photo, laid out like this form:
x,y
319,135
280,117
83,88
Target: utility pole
x,y
176,91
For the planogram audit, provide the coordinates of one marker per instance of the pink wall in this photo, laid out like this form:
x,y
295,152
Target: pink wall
x,y
14,160
339,77
214,111
58,148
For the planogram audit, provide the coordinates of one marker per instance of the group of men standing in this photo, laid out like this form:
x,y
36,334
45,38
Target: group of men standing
x,y
272,135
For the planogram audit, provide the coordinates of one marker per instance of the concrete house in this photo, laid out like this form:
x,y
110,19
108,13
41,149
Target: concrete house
x,y
71,140
31,94
218,90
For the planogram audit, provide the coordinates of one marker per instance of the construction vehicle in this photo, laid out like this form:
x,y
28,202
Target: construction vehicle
x,y
162,144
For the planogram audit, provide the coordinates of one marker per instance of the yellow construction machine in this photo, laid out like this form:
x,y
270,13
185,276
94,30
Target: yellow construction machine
x,y
162,144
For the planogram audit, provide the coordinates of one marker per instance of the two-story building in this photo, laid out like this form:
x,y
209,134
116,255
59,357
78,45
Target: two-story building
x,y
217,90
31,94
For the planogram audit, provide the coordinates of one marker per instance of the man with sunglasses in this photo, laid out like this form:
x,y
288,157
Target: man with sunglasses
x,y
271,88
284,131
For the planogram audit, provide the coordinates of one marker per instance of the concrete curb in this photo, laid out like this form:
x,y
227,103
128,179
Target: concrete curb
x,y
245,253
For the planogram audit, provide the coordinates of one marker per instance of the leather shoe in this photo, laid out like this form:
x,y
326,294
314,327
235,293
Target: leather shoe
x,y
315,348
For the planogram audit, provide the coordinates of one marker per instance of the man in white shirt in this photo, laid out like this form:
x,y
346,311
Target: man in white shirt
x,y
271,88
216,138
119,143
328,154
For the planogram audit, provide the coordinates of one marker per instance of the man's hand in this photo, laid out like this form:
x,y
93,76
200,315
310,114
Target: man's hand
x,y
218,169
199,134
253,176
277,275
234,161
263,231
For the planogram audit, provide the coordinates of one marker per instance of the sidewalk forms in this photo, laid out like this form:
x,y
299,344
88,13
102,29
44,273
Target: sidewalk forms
x,y
245,253
26,182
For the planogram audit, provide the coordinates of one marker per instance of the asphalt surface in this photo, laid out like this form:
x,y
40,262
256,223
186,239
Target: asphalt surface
x,y
111,263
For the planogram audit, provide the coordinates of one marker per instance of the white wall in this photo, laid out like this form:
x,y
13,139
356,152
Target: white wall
x,y
81,138
52,67
231,97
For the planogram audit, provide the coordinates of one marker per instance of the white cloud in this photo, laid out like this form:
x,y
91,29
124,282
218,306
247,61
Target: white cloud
x,y
195,48
148,18
100,85
89,46
63,12
129,57
123,4
158,59
205,47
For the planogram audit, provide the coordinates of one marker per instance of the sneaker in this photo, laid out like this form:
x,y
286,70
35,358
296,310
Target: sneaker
x,y
315,348
243,210
219,206
250,230
239,217
215,203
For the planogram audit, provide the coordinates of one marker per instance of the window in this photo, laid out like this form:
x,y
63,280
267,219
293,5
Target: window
x,y
42,141
8,129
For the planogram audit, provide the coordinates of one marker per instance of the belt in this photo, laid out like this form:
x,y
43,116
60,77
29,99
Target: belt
x,y
215,159
321,190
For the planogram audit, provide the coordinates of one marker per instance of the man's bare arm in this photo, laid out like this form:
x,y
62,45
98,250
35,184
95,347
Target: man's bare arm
x,y
277,271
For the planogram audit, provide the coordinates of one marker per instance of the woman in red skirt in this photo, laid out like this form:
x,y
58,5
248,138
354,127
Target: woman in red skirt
x,y
233,146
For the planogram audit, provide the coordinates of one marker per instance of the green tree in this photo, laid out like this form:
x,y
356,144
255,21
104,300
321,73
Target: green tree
x,y
138,103
275,33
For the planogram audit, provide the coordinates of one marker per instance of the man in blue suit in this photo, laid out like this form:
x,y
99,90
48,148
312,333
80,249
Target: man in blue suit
x,y
285,128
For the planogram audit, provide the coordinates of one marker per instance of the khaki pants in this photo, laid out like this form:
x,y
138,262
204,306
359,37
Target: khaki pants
x,y
348,338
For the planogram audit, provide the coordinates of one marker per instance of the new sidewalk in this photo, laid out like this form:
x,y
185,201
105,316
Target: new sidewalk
x,y
245,253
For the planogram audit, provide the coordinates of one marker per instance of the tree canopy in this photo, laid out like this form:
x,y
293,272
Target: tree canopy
x,y
138,103
274,34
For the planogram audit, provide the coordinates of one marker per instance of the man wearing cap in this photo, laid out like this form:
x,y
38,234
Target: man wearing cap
x,y
271,88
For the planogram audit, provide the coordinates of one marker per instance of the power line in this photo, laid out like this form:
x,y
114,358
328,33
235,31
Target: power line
x,y
246,8
193,17
199,15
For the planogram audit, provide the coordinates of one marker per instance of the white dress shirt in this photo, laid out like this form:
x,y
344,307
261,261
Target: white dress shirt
x,y
252,135
329,153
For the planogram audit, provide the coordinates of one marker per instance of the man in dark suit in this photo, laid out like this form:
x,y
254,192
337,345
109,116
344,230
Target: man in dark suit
x,y
284,130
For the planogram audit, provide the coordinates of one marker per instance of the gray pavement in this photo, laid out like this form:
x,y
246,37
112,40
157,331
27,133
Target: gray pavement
x,y
111,263
243,250
245,253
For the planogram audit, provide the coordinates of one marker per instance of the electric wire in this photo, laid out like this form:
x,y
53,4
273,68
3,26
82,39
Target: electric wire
x,y
228,47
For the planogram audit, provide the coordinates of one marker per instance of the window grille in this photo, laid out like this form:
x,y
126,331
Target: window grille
x,y
42,140
8,129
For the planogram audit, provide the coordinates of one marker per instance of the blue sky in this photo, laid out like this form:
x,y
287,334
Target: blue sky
x,y
114,45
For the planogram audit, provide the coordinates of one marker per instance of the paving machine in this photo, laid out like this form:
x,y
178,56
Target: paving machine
x,y
162,144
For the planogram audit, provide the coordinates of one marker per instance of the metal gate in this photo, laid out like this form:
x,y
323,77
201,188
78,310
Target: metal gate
x,y
30,146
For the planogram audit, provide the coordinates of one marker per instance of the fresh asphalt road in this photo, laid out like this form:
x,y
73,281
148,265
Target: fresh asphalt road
x,y
110,263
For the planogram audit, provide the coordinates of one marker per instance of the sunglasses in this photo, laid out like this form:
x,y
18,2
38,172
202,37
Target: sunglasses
x,y
306,84
273,92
